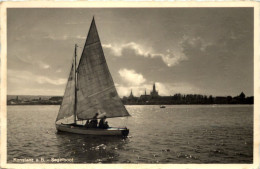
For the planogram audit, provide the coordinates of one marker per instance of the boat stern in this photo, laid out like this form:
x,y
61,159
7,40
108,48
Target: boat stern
x,y
125,132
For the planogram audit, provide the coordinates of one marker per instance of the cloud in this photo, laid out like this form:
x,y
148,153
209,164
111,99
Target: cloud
x,y
124,90
173,59
32,61
74,23
27,83
43,79
52,37
118,49
63,37
41,37
138,84
194,42
163,89
43,65
131,77
166,89
58,70
25,58
169,57
17,77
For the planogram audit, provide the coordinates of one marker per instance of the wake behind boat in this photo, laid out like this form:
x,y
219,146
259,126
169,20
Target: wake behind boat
x,y
90,89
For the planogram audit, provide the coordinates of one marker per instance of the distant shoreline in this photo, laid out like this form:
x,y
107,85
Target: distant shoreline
x,y
177,99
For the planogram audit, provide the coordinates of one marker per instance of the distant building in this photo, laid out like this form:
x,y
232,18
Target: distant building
x,y
154,98
242,95
143,98
131,96
240,98
154,93
130,99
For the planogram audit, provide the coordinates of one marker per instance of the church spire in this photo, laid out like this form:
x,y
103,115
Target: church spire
x,y
154,93
154,90
131,94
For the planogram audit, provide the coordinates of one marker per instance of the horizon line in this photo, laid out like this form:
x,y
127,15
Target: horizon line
x,y
140,95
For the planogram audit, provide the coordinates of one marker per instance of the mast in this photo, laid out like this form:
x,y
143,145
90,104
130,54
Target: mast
x,y
75,68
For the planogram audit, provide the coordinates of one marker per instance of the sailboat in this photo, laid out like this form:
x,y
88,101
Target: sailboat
x,y
162,106
90,89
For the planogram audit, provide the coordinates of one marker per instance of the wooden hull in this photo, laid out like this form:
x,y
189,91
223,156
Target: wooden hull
x,y
79,129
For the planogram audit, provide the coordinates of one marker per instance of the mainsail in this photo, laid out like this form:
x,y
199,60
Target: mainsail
x,y
68,102
96,90
95,87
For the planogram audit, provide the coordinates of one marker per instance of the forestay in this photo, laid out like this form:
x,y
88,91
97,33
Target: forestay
x,y
96,90
68,102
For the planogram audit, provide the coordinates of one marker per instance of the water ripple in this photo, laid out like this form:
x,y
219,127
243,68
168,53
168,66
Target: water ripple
x,y
178,134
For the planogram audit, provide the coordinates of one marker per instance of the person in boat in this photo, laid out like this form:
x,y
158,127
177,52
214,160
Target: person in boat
x,y
93,123
87,124
103,123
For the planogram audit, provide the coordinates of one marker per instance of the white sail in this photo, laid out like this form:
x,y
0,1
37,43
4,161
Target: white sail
x,y
68,102
96,90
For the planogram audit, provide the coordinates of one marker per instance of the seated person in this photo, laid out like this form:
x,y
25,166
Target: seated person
x,y
93,123
87,124
103,123
106,125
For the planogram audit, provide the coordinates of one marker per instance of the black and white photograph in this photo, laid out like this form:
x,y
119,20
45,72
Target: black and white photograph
x,y
130,85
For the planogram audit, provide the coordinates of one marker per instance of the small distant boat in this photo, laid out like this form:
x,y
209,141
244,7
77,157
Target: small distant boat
x,y
162,106
90,89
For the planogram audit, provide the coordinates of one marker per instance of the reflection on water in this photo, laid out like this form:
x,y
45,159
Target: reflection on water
x,y
176,134
90,149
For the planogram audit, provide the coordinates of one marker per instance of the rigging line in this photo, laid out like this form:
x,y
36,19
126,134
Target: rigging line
x,y
101,91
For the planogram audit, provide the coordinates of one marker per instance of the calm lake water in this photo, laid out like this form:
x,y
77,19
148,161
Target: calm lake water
x,y
176,134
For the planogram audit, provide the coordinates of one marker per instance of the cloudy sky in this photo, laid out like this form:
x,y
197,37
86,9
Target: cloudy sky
x,y
183,50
